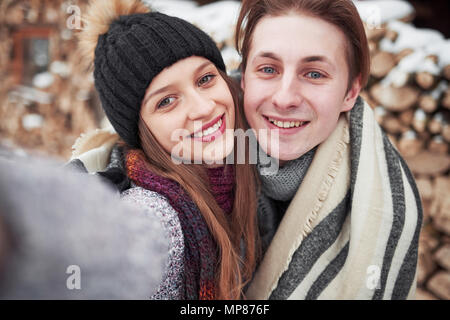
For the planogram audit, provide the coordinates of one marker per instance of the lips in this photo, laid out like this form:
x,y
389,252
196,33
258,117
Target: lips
x,y
286,126
211,130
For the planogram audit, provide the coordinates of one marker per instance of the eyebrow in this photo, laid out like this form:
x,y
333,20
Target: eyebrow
x,y
316,58
202,66
271,55
266,54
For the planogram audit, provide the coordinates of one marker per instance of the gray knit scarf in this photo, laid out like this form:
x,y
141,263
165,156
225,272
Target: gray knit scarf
x,y
277,190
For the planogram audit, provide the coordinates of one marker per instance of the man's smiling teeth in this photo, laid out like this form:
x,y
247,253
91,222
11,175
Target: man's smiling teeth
x,y
210,130
286,124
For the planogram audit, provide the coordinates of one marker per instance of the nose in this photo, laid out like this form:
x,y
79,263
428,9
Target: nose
x,y
200,106
287,96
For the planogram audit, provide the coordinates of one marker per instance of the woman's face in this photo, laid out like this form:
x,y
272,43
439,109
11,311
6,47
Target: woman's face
x,y
295,83
189,109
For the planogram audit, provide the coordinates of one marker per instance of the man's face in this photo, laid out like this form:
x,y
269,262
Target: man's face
x,y
295,82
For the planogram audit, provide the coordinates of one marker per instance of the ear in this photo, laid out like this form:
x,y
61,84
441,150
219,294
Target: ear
x,y
352,95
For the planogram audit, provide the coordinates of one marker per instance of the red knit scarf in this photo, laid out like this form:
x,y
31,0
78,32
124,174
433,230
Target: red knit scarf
x,y
200,252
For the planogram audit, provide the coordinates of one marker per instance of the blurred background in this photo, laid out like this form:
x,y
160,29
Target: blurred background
x,y
47,99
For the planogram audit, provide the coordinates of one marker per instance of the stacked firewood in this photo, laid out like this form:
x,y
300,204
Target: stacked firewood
x,y
410,94
46,115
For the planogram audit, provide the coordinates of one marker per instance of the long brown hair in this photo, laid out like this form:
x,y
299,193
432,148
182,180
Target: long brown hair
x,y
341,13
232,272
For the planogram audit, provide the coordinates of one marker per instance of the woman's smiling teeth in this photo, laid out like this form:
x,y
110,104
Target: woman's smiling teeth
x,y
286,124
210,130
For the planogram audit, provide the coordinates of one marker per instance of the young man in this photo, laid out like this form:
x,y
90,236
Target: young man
x,y
341,218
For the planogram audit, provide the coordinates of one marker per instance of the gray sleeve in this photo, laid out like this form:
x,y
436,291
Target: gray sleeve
x,y
70,236
159,208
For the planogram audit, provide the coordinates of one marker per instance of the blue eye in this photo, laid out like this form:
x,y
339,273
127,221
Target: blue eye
x,y
165,102
314,75
268,70
205,79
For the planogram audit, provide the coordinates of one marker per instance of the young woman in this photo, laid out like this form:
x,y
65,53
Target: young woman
x,y
342,216
163,87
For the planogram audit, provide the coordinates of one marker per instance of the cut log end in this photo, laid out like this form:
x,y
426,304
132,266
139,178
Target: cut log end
x,y
394,99
429,164
381,63
425,80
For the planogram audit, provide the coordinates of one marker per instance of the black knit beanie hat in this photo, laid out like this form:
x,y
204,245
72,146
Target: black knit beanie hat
x,y
132,52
